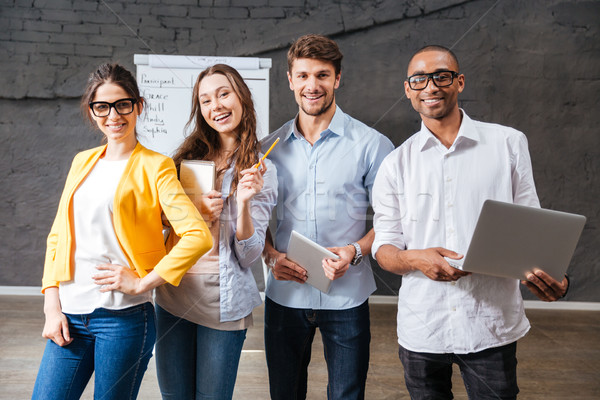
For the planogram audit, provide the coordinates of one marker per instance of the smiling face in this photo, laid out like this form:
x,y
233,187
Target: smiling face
x,y
220,105
433,102
117,128
313,82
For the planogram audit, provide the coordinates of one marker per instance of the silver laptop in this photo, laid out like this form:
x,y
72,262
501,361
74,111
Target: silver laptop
x,y
511,240
309,255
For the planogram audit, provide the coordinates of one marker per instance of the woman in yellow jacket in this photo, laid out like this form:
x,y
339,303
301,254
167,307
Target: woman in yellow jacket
x,y
106,251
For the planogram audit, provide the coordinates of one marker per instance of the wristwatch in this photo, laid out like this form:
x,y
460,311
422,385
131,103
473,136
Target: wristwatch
x,y
358,255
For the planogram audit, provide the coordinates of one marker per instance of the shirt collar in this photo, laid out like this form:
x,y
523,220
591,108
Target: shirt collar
x,y
336,126
467,131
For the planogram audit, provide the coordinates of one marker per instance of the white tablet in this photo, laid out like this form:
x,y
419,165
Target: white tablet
x,y
309,255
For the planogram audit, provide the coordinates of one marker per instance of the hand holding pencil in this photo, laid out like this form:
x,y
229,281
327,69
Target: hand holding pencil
x,y
251,182
266,154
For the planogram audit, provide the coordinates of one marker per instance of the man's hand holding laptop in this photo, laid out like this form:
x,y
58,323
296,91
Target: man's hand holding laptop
x,y
545,287
436,263
433,263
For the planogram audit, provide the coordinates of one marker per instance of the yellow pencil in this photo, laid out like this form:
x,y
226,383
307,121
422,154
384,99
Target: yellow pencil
x,y
267,153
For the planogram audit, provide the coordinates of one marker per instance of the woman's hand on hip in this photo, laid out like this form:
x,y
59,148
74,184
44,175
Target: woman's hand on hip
x,y
117,277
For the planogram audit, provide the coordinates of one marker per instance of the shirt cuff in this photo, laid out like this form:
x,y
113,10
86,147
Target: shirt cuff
x,y
243,246
380,241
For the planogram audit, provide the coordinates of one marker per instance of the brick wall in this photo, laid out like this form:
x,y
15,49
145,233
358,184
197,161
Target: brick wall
x,y
531,65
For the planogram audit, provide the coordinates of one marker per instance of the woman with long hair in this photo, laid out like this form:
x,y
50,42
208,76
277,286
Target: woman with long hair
x,y
202,323
106,251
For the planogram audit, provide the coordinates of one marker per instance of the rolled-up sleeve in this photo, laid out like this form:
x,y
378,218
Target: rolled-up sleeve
x,y
249,250
387,222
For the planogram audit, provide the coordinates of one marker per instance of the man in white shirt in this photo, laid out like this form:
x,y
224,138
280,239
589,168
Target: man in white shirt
x,y
427,197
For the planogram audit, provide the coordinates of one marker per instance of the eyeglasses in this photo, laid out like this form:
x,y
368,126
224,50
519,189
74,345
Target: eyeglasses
x,y
122,107
439,78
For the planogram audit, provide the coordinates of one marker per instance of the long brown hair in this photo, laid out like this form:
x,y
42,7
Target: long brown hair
x,y
203,142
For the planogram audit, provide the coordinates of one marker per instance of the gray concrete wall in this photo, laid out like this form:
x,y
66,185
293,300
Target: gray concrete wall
x,y
532,65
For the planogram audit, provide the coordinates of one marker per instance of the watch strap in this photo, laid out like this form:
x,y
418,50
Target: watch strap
x,y
357,255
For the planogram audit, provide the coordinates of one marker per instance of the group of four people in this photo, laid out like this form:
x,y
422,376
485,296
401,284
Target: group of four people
x,y
107,251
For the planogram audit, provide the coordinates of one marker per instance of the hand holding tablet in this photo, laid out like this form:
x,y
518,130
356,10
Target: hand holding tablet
x,y
309,255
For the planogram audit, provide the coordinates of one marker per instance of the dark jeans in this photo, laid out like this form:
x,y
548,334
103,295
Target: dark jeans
x,y
289,333
194,361
488,374
116,345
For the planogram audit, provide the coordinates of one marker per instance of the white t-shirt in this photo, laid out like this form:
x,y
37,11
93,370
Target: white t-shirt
x,y
96,243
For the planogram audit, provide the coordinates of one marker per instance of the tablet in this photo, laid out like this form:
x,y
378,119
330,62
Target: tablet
x,y
309,255
511,240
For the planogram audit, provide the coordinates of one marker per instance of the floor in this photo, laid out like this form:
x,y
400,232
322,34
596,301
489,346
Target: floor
x,y
558,359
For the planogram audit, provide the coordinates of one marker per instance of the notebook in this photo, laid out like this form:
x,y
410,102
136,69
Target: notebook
x,y
511,240
197,177
309,255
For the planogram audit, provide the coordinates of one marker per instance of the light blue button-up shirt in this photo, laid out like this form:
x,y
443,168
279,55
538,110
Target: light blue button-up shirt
x,y
324,192
238,293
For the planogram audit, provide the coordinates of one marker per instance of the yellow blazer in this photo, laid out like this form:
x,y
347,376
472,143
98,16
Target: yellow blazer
x,y
149,186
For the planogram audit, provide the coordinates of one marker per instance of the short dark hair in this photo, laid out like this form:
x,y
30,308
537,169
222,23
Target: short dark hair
x,y
437,47
317,47
109,73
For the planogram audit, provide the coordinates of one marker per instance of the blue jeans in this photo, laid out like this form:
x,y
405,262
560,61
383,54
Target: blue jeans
x,y
193,361
289,334
488,374
115,344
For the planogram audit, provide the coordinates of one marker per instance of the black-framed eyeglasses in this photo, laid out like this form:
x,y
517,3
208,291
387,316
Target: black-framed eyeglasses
x,y
122,107
439,78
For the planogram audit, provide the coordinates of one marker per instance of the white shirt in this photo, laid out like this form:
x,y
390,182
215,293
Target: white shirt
x,y
96,243
426,195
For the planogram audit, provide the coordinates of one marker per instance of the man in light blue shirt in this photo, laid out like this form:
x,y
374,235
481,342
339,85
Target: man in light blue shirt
x,y
326,165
